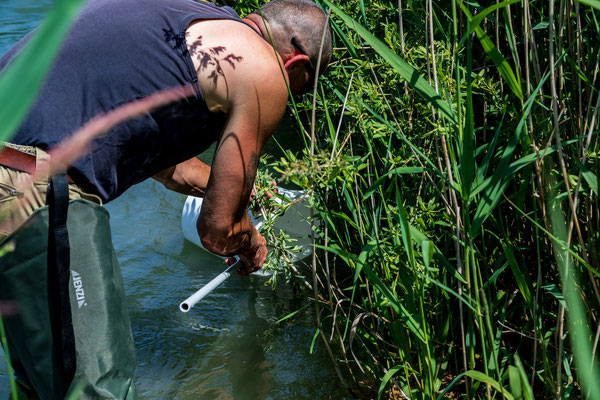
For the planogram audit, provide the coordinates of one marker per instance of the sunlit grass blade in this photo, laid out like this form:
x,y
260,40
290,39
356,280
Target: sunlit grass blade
x,y
514,381
526,388
347,43
408,142
494,188
421,238
481,377
591,3
396,171
577,317
503,67
477,19
386,378
21,80
523,162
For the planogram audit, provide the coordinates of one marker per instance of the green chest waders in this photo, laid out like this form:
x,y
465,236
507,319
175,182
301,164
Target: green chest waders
x,y
71,332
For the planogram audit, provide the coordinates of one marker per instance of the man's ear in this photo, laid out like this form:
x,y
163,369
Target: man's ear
x,y
295,61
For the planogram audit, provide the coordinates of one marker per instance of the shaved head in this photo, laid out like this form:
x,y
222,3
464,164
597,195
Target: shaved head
x,y
303,20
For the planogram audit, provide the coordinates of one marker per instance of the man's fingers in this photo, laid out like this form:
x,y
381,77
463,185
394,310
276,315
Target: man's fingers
x,y
230,261
246,272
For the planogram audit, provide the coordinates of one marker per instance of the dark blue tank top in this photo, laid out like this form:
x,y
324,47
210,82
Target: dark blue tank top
x,y
116,52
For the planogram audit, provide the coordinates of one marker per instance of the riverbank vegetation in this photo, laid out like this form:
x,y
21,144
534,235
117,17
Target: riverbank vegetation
x,y
451,154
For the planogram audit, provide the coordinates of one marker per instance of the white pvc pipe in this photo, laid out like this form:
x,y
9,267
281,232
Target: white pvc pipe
x,y
189,217
191,301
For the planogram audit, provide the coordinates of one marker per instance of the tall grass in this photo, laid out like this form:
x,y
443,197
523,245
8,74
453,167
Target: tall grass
x,y
457,182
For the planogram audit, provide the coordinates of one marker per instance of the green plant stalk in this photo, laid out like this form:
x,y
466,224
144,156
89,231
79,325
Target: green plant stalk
x,y
577,316
23,77
460,134
9,369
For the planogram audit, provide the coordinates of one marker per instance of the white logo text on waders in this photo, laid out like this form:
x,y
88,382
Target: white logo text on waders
x,y
79,293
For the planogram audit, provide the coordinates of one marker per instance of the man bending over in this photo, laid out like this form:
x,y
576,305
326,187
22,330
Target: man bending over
x,y
122,50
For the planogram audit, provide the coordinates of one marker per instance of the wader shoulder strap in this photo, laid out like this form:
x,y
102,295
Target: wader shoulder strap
x,y
58,281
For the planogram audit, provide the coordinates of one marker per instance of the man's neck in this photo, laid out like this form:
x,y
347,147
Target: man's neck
x,y
256,22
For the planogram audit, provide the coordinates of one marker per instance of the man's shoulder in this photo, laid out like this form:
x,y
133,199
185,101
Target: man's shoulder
x,y
231,58
228,40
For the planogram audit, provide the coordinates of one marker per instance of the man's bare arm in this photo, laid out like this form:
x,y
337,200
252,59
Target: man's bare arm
x,y
258,100
189,177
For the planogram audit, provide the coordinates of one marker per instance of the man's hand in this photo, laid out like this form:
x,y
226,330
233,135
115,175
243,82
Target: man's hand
x,y
254,258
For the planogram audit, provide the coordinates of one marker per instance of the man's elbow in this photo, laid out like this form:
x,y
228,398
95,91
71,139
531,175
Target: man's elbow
x,y
212,240
212,244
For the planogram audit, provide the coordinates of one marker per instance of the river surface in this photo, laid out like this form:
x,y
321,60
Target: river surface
x,y
229,346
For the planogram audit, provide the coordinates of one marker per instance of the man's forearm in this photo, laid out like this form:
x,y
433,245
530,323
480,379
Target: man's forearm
x,y
241,237
189,177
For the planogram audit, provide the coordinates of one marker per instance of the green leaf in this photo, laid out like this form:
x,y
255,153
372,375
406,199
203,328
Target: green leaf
x,y
522,162
521,281
362,10
393,172
427,248
591,3
414,79
23,77
406,237
467,156
345,217
347,43
451,291
528,391
411,323
481,377
558,241
420,237
405,140
578,71
503,67
293,313
589,176
495,186
514,381
386,378
314,339
6,248
555,291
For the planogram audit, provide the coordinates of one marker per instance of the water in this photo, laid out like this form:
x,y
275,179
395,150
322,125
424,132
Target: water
x,y
229,346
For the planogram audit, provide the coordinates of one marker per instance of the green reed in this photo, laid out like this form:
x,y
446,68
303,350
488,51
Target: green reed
x,y
457,184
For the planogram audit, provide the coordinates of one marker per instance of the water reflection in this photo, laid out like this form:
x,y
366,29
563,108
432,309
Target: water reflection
x,y
228,346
